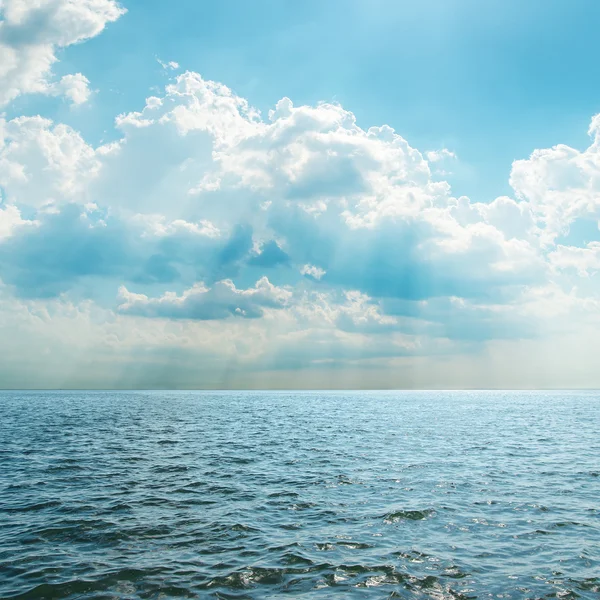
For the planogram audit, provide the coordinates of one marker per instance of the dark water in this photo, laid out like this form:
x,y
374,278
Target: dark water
x,y
310,495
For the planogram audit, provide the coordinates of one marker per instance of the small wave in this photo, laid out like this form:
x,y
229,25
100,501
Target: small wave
x,y
33,507
245,528
303,506
283,494
171,469
408,515
238,506
354,545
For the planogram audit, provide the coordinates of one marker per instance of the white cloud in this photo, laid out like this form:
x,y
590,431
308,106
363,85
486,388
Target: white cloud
x,y
30,34
11,220
74,87
201,188
359,206
561,183
312,271
158,225
170,65
583,260
42,163
440,155
221,301
316,158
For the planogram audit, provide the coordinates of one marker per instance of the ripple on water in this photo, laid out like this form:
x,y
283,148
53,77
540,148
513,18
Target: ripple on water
x,y
408,515
312,495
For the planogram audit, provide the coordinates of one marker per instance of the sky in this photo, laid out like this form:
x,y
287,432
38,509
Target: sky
x,y
341,194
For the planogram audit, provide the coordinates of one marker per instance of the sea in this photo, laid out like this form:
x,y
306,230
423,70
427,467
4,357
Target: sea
x,y
252,495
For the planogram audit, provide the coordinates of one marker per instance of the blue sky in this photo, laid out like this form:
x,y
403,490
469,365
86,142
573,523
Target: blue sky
x,y
158,224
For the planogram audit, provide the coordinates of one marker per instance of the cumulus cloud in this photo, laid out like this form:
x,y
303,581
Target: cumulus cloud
x,y
43,163
55,252
199,302
11,220
359,204
584,261
318,240
312,271
561,184
74,87
32,32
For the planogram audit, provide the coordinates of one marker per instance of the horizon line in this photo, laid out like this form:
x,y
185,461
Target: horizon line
x,y
284,389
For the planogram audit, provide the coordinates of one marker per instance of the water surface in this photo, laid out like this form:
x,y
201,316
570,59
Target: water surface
x,y
310,495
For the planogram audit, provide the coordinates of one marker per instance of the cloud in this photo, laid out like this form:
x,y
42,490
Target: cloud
x,y
10,222
221,301
440,155
561,184
50,258
74,87
584,261
61,248
319,244
42,163
361,204
308,189
170,65
32,32
312,271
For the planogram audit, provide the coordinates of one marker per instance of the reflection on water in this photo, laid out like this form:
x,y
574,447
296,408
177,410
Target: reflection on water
x,y
312,495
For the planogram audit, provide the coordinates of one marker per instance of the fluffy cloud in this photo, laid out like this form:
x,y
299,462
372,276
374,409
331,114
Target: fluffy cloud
x,y
312,271
440,155
199,302
583,260
561,184
44,164
55,252
321,242
351,208
30,34
11,220
74,87
360,204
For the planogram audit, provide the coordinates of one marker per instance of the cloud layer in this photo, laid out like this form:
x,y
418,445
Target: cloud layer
x,y
270,244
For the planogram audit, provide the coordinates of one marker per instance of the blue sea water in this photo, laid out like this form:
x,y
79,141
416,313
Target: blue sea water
x,y
307,495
